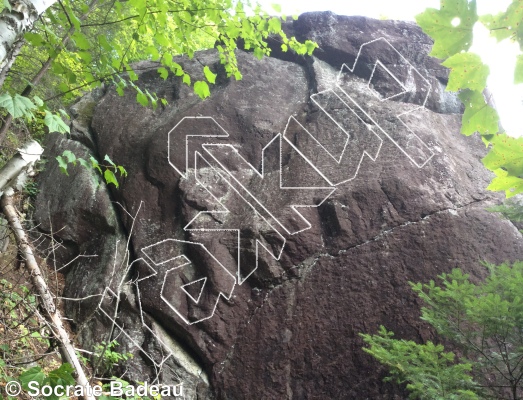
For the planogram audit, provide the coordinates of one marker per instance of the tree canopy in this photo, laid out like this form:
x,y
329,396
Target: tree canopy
x,y
76,46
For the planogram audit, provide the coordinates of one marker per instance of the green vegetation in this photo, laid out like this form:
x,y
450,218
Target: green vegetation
x,y
106,357
451,27
483,321
77,46
25,341
28,351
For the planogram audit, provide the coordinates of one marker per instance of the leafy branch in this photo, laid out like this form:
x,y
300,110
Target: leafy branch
x,y
451,27
107,171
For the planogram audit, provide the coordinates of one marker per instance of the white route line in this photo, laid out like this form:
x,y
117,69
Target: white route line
x,y
184,175
109,293
187,262
411,68
364,153
261,174
256,205
197,299
240,279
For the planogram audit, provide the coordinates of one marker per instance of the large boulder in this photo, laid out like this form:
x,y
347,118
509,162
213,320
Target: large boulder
x,y
270,224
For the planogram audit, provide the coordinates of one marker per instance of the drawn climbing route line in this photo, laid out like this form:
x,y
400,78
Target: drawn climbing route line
x,y
252,208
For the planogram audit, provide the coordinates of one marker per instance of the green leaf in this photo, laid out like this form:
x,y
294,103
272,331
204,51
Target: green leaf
x,y
63,374
167,59
259,53
478,115
110,177
467,72
69,155
18,106
95,164
38,101
123,171
81,40
164,73
511,185
152,99
274,25
108,159
55,123
209,75
177,69
63,87
310,46
71,77
102,40
62,164
153,51
83,163
57,68
506,24
506,153
202,89
64,113
71,16
186,79
438,24
85,56
518,73
34,38
276,7
132,75
141,98
161,39
34,374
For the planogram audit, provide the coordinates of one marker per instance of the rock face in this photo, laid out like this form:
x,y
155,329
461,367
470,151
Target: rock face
x,y
259,245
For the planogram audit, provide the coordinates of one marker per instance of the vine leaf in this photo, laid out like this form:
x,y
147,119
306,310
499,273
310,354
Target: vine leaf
x,y
69,155
108,159
478,116
439,24
467,72
62,376
81,41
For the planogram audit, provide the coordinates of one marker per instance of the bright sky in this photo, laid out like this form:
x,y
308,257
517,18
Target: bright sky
x,y
500,57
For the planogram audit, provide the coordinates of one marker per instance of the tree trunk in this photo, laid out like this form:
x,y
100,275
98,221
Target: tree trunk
x,y
40,74
13,24
11,176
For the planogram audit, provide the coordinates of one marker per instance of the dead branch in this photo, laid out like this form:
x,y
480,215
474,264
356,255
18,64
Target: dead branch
x,y
52,312
11,176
